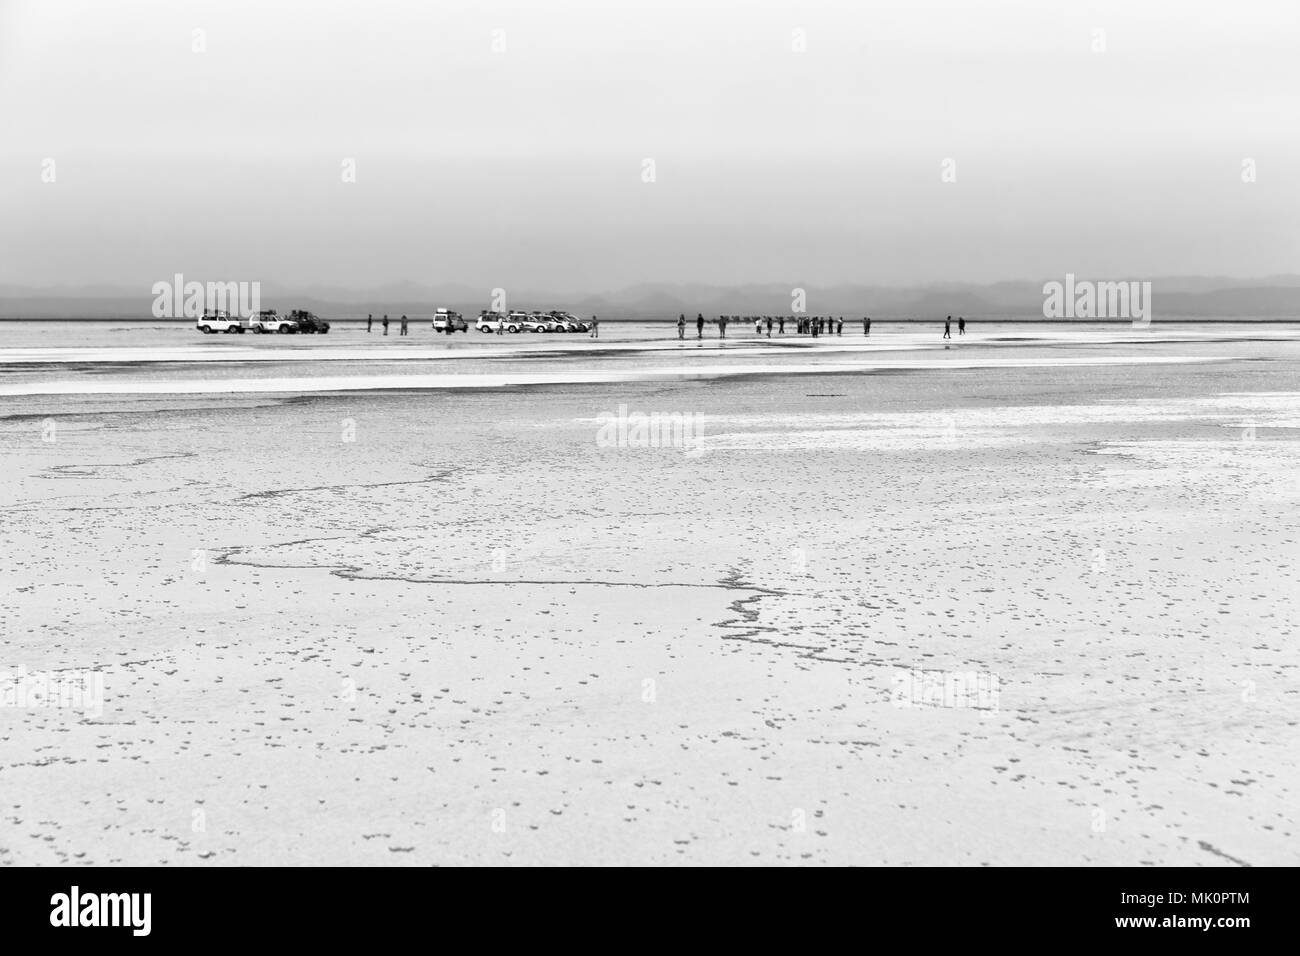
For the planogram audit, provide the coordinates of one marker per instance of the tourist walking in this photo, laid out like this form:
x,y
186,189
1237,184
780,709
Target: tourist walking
x,y
947,327
961,325
839,326
501,325
866,325
769,326
780,325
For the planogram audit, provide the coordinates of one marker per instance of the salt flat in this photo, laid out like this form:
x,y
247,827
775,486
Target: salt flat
x,y
446,625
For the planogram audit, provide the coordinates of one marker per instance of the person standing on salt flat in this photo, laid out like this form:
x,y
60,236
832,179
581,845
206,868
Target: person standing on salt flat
x,y
947,327
370,320
681,326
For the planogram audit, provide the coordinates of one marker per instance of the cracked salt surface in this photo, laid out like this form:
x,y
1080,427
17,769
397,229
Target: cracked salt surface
x,y
373,651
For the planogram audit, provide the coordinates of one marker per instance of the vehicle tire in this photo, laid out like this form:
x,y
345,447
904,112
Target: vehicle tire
x,y
206,330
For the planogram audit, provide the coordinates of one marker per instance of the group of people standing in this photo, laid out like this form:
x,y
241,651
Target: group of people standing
x,y
370,321
814,325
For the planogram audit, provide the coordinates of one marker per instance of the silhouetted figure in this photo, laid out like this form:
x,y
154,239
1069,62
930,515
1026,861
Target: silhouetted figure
x,y
595,327
722,326
961,325
370,320
780,325
769,326
839,326
403,332
699,325
681,326
947,327
385,323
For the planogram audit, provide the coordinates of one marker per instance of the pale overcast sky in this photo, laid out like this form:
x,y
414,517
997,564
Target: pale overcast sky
x,y
524,165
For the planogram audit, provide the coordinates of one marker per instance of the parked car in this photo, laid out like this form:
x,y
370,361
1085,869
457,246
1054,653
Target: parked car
x,y
487,322
553,322
571,322
221,321
268,321
442,317
537,322
308,321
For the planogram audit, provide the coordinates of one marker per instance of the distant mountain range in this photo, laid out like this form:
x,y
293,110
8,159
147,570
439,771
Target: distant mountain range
x,y
1273,298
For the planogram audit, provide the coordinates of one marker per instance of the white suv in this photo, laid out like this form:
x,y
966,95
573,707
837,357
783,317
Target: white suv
x,y
269,321
444,317
487,322
537,322
569,322
221,321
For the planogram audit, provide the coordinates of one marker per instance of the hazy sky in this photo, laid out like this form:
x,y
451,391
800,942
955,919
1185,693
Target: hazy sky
x,y
524,166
